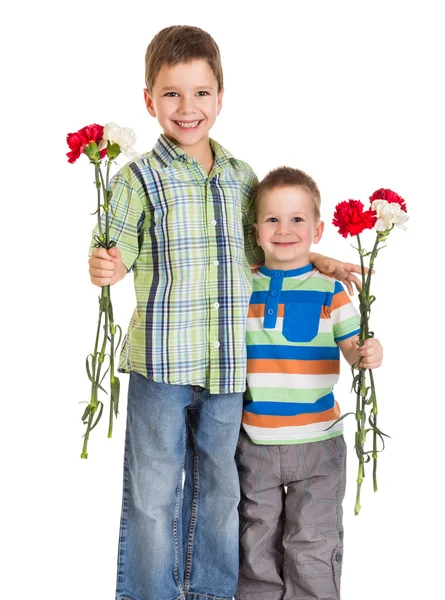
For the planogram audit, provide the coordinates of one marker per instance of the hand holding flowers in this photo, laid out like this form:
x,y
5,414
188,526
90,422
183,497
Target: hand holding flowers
x,y
387,210
106,268
370,354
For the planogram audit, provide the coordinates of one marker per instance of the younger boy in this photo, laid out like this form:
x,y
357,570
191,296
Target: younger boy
x,y
182,219
292,543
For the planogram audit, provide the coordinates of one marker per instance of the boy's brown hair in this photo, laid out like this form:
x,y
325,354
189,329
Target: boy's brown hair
x,y
285,177
181,44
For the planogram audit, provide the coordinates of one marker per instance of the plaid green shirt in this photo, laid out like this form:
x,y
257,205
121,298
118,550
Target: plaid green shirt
x,y
189,239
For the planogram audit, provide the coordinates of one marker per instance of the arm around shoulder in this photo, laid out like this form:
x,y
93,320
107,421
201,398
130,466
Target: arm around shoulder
x,y
254,253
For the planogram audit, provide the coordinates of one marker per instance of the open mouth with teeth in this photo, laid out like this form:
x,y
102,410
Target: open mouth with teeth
x,y
188,124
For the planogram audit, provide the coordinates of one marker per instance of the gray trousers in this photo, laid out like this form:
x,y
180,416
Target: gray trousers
x,y
291,532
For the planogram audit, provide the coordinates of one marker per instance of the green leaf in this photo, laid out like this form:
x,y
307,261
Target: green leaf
x,y
118,328
104,375
86,414
101,409
108,368
99,242
115,392
103,389
338,420
90,377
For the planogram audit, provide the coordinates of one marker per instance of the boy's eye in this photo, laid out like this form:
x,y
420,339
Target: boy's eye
x,y
202,93
297,219
171,94
272,220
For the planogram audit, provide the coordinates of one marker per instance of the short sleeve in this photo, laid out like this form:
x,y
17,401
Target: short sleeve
x,y
125,219
344,316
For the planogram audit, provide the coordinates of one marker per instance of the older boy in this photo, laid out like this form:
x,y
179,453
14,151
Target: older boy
x,y
292,542
182,218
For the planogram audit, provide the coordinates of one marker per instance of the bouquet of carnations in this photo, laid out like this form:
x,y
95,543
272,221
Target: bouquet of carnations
x,y
102,144
387,209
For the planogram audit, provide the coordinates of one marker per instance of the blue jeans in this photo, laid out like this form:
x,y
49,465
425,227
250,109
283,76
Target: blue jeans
x,y
179,542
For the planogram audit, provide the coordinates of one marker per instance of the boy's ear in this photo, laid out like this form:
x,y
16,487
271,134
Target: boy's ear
x,y
149,103
318,232
219,104
257,231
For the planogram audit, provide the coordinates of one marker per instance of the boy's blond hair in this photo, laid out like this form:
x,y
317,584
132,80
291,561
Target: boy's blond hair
x,y
181,44
285,177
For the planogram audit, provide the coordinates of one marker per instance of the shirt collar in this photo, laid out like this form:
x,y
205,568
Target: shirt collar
x,y
290,273
167,151
222,156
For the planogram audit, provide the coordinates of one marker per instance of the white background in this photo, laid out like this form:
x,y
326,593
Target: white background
x,y
351,92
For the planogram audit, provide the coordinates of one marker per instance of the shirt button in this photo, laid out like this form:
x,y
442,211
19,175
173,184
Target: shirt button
x,y
270,311
216,344
216,305
216,263
277,274
273,293
213,222
338,557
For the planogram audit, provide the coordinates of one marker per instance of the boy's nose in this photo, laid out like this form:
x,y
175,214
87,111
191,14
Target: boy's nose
x,y
186,106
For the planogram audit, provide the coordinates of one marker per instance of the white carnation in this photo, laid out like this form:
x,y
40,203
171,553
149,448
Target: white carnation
x,y
388,214
123,136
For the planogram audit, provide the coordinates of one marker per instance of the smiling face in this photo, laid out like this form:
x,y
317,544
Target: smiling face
x,y
287,227
186,102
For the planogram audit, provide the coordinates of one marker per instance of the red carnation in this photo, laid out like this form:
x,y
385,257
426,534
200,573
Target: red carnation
x,y
389,196
351,219
78,141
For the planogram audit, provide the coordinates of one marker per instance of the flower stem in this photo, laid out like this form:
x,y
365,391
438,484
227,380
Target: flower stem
x,y
371,264
98,177
112,328
359,485
362,297
374,411
358,439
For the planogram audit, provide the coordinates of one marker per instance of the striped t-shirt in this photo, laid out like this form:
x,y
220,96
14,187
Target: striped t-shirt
x,y
296,318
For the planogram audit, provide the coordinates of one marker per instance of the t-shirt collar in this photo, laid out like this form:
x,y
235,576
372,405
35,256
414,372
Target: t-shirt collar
x,y
288,273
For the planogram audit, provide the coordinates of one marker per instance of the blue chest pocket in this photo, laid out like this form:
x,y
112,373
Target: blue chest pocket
x,y
301,321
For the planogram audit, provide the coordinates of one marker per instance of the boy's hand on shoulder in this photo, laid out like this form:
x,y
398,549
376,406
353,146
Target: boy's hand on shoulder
x,y
256,268
342,271
372,353
106,266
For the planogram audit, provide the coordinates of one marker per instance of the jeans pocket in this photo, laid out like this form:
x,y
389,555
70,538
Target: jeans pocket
x,y
301,321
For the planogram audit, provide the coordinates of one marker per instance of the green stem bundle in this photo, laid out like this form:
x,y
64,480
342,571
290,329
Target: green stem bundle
x,y
104,345
365,394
